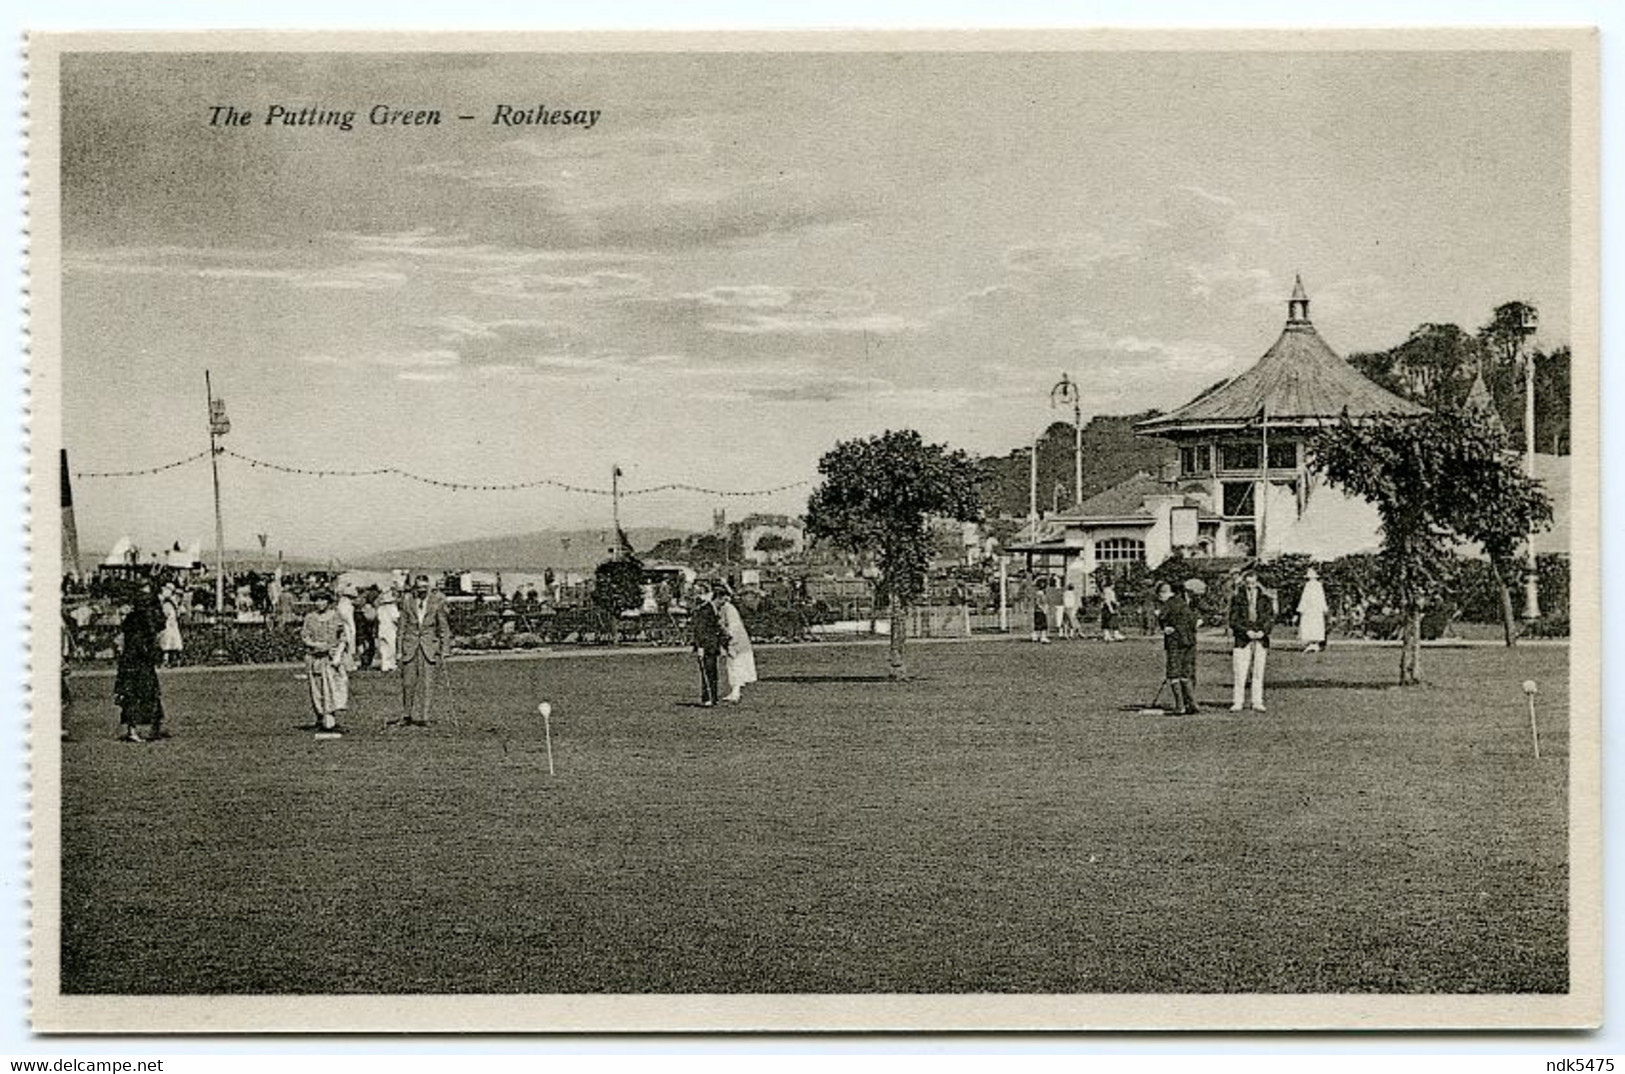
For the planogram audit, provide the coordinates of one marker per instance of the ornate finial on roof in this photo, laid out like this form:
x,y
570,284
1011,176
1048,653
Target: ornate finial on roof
x,y
1297,307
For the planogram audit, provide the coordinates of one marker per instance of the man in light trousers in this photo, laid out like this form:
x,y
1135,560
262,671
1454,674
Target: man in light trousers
x,y
1252,616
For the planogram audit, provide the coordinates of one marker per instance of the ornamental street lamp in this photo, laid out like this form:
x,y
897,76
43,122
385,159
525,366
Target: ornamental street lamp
x,y
1066,393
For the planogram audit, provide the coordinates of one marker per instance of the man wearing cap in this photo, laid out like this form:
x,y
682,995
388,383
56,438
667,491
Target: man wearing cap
x,y
710,639
425,640
1179,648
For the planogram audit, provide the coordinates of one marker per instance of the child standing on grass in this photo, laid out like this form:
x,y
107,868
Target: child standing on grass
x,y
1040,618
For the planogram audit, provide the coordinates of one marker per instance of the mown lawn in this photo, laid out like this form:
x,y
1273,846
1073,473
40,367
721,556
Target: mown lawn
x,y
1001,824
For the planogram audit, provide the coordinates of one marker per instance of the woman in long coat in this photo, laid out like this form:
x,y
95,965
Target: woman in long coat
x,y
135,684
741,658
325,656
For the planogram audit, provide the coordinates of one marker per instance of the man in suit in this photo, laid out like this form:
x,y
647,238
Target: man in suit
x,y
709,638
424,641
1252,616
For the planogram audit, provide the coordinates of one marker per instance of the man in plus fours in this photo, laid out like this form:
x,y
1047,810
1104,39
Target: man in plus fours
x,y
1179,648
424,641
709,639
1252,616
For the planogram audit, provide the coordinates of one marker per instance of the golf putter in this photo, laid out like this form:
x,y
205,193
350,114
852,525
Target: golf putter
x,y
1155,707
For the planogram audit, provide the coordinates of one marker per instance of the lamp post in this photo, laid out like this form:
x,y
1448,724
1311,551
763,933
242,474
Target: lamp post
x,y
219,425
1064,393
1528,321
1032,486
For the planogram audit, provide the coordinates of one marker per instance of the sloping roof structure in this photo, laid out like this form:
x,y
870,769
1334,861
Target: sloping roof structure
x,y
1299,380
1122,499
1127,500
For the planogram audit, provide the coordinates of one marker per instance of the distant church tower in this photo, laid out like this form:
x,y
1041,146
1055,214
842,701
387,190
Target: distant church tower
x,y
719,520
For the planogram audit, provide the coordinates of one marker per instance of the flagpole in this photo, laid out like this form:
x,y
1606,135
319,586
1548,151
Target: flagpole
x,y
1264,484
219,524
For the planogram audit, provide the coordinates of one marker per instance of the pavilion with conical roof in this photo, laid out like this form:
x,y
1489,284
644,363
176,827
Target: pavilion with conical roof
x,y
1242,448
1300,380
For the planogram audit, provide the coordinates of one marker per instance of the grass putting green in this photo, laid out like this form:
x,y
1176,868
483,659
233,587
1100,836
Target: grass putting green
x,y
1000,824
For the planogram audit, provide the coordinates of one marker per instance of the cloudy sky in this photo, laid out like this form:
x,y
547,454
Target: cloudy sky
x,y
747,258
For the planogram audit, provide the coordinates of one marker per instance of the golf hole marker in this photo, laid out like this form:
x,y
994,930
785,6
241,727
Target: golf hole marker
x,y
1530,689
546,709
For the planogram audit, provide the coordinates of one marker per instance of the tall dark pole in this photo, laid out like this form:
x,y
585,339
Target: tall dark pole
x,y
219,524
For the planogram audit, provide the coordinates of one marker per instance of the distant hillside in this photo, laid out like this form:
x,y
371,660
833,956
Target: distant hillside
x,y
1111,454
561,549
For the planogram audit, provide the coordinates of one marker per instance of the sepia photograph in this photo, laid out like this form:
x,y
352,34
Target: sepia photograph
x,y
808,531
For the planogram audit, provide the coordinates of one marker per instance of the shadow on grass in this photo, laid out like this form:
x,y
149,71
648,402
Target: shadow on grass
x,y
816,679
1330,684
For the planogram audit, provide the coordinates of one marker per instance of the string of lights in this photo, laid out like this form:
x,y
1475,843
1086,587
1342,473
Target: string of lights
x,y
454,486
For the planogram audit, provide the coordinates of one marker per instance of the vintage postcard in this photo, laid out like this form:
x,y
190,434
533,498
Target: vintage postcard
x,y
814,531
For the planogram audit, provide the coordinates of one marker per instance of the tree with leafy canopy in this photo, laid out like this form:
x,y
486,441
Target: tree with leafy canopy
x,y
772,543
877,498
1437,481
617,587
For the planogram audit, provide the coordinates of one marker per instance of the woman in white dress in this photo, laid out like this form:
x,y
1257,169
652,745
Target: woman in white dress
x,y
1312,613
170,643
741,658
389,615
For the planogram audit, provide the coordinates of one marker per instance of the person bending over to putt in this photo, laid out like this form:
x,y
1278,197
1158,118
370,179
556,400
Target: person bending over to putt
x,y
1179,646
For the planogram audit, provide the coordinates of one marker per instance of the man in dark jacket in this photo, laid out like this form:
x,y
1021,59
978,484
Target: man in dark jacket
x,y
1252,617
1179,646
710,639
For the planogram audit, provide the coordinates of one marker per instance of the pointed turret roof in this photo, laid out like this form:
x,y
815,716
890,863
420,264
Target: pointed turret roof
x,y
1299,380
1480,399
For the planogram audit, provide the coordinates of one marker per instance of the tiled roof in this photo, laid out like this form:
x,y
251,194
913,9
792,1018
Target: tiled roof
x,y
1126,499
1121,500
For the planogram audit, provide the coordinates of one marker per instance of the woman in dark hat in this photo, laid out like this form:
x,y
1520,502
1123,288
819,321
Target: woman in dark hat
x,y
135,684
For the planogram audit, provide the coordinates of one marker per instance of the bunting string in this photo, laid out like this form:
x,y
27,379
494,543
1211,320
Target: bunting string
x,y
145,471
454,486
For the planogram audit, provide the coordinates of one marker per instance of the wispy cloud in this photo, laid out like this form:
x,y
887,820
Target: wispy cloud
x,y
537,285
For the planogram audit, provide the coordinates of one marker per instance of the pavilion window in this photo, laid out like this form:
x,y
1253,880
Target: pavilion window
x,y
1238,499
1241,456
1283,455
1196,460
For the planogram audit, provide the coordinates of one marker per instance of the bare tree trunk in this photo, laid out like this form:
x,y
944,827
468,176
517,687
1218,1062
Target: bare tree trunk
x,y
1509,619
1410,649
896,669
